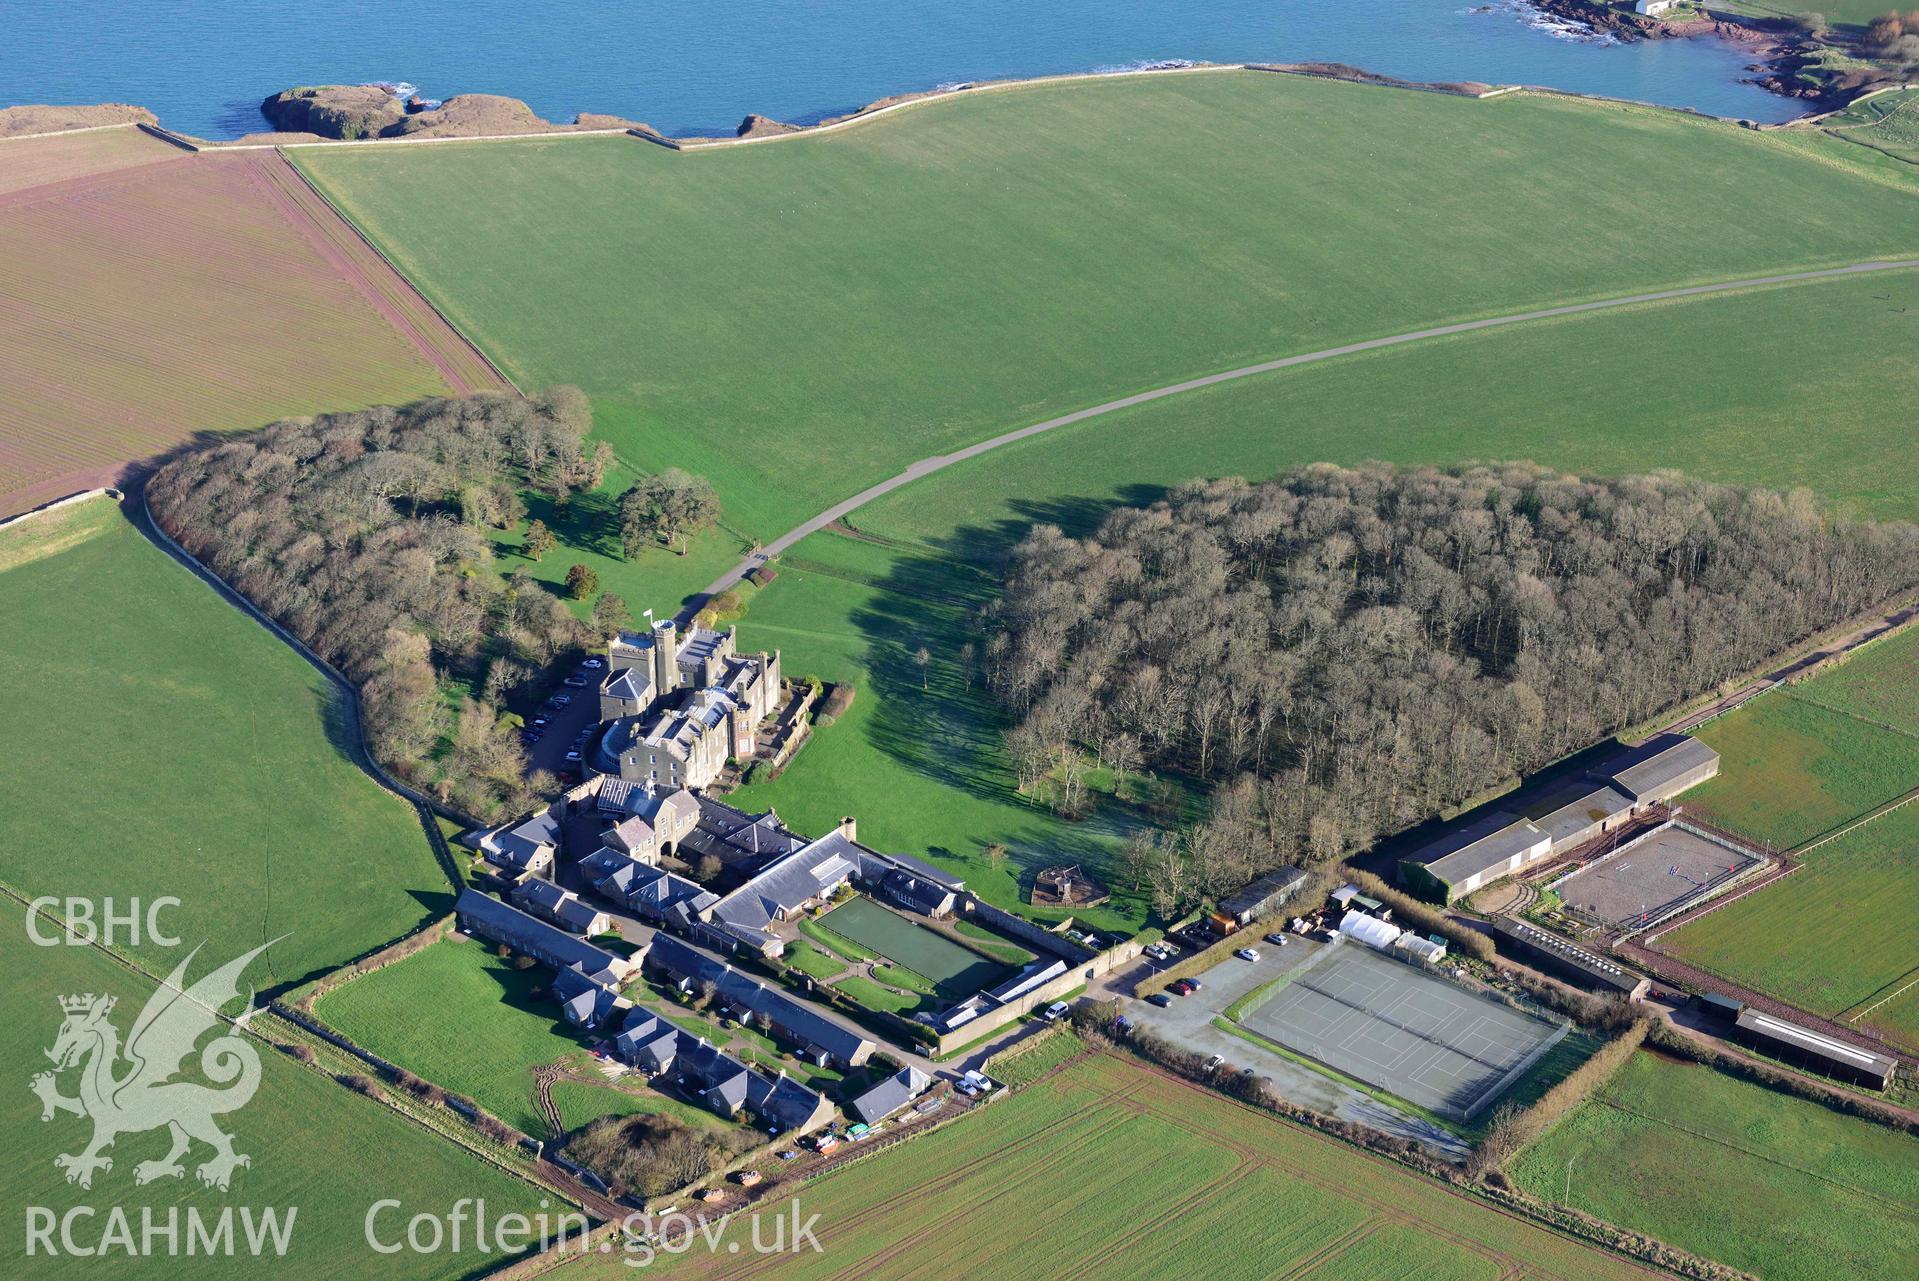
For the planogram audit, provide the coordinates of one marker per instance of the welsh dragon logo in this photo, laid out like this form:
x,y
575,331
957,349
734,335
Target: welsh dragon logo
x,y
132,1088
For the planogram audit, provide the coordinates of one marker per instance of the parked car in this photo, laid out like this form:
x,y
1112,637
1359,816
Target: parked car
x,y
573,756
788,1155
593,664
1054,1011
1192,985
1247,954
1160,999
1215,1061
559,700
576,681
1184,987
1276,939
540,722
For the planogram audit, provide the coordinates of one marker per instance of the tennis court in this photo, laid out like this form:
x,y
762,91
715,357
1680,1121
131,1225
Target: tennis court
x,y
912,946
1389,1024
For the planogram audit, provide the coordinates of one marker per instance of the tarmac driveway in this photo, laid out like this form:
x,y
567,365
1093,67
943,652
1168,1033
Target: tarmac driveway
x,y
584,710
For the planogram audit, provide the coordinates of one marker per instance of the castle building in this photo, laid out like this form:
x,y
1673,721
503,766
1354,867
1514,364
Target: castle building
x,y
679,707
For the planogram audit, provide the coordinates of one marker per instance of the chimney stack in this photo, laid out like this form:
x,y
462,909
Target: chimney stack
x,y
849,829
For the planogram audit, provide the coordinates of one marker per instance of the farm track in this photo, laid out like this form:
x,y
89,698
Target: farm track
x,y
939,462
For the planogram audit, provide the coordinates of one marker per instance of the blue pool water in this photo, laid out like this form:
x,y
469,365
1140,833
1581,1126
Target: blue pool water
x,y
698,66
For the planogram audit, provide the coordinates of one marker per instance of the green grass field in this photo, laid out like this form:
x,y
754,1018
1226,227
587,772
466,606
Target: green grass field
x,y
1601,394
161,743
1790,770
1880,683
1801,938
1776,1185
800,319
1888,123
316,1148
463,1018
1129,1175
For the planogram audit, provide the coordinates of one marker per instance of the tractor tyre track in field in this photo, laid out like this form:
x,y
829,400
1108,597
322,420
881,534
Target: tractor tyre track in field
x,y
1388,1210
932,1187
939,462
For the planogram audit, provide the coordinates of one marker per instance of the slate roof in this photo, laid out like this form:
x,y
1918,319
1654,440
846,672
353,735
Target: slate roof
x,y
890,1095
916,893
731,834
791,1019
643,888
631,684
518,846
540,895
811,872
503,923
583,1002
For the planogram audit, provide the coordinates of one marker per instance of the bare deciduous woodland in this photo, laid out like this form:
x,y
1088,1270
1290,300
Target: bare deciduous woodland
x,y
1343,652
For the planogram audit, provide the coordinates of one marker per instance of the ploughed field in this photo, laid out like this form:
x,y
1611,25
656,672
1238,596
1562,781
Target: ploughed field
x,y
147,296
1778,1186
160,743
319,1152
1108,1168
799,319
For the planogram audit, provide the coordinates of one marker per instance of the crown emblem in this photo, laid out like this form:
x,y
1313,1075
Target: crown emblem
x,y
84,1003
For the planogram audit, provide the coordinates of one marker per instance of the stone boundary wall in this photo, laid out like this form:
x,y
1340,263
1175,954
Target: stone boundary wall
x,y
404,279
61,133
1004,922
1075,978
70,499
425,806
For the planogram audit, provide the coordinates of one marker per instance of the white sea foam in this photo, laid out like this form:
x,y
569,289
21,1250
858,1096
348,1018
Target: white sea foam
x,y
1569,29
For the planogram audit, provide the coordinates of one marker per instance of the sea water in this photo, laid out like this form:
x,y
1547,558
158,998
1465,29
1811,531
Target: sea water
x,y
698,66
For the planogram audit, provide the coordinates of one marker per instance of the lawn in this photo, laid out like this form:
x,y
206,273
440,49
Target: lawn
x,y
798,320
1791,770
952,968
463,1018
1778,1186
920,767
1113,1170
203,294
1836,937
161,743
318,1151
